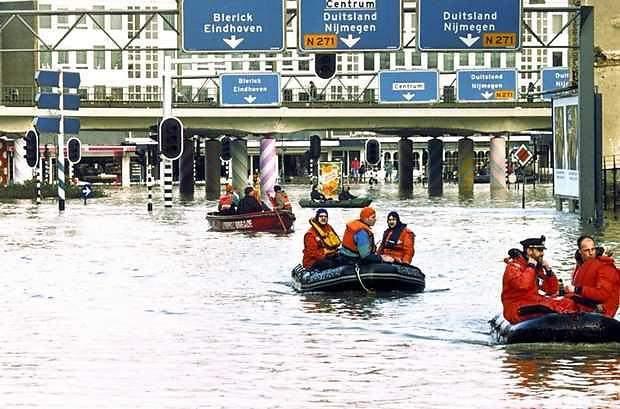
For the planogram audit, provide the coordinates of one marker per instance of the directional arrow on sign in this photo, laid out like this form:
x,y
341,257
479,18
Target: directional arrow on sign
x,y
487,95
408,96
233,41
350,41
469,40
250,99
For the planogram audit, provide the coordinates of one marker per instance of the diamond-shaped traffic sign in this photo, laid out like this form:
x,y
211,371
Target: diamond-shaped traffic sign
x,y
523,155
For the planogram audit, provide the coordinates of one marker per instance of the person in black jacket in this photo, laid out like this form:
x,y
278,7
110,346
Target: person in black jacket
x,y
316,195
249,203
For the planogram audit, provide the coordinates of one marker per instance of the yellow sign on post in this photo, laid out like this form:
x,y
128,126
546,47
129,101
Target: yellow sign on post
x,y
330,174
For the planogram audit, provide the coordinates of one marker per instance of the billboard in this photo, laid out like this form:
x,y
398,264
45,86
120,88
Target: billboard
x,y
566,147
330,175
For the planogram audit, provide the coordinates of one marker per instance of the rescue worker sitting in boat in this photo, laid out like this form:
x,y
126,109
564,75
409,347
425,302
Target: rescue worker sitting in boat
x,y
596,281
526,275
249,203
228,201
316,195
280,199
398,240
358,241
320,243
345,194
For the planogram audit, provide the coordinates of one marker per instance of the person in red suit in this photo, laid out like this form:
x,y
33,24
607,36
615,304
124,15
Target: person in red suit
x,y
398,240
529,284
596,281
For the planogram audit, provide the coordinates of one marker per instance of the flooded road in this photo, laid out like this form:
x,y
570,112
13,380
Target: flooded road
x,y
106,306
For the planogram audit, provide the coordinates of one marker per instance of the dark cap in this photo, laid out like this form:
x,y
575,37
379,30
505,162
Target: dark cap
x,y
534,243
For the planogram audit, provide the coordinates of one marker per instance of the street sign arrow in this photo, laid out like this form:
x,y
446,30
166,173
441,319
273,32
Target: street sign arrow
x,y
408,96
487,95
350,41
483,85
469,40
250,89
233,41
250,99
413,87
86,191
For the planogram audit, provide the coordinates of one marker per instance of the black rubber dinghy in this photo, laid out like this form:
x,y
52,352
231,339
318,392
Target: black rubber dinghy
x,y
374,276
567,328
357,202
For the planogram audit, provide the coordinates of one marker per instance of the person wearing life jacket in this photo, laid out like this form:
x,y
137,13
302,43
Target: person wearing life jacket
x,y
526,276
228,202
280,200
358,241
595,284
398,240
320,243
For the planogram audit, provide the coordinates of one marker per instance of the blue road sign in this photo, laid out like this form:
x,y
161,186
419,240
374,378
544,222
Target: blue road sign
x,y
554,78
402,87
486,85
46,78
51,124
87,190
351,25
51,100
233,26
250,90
469,25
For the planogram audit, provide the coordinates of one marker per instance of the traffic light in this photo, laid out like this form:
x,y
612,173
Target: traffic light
x,y
315,147
74,150
225,153
325,65
32,148
373,151
171,138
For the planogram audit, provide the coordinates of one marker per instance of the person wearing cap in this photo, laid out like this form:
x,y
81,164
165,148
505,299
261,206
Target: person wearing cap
x,y
596,282
280,199
358,241
526,275
398,240
227,203
320,243
249,203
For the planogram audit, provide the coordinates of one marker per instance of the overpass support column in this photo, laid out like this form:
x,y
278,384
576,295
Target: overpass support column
x,y
125,170
405,167
213,169
497,165
268,167
186,170
239,162
466,168
435,167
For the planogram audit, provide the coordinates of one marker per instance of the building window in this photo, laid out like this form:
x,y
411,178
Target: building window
x,y
170,22
432,60
496,60
63,57
463,59
135,92
151,93
511,60
116,60
81,58
479,59
384,61
399,59
151,30
557,22
416,59
99,92
254,65
81,24
238,65
369,61
304,65
45,58
557,58
45,21
116,93
116,22
448,62
151,65
83,93
133,24
133,65
99,18
99,57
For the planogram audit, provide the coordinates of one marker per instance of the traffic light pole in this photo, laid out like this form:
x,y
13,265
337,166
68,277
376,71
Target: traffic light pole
x,y
60,162
167,111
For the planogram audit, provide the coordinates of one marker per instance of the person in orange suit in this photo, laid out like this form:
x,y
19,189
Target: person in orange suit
x,y
320,243
525,277
596,281
398,240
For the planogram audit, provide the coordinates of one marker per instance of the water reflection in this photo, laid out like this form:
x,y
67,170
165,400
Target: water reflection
x,y
352,305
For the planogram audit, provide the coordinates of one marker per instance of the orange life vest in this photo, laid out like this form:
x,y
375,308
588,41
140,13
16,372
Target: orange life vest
x,y
352,228
225,202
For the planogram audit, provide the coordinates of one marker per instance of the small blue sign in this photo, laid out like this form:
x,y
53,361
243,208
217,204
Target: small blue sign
x,y
51,124
87,190
70,79
486,85
469,25
250,90
351,25
233,26
554,78
51,100
408,87
47,78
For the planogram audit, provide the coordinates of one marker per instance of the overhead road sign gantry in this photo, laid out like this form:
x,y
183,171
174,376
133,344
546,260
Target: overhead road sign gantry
x,y
469,25
486,85
349,25
225,26
250,90
408,87
554,78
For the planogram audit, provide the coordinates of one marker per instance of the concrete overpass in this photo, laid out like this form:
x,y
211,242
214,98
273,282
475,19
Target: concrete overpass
x,y
462,119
